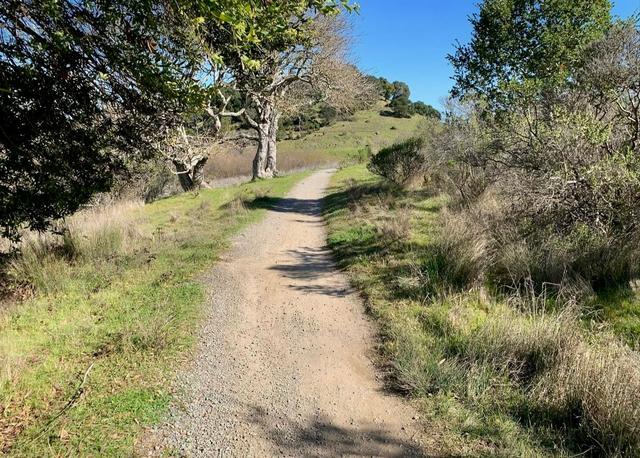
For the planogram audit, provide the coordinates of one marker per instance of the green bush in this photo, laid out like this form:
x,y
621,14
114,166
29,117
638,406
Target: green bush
x,y
564,171
401,162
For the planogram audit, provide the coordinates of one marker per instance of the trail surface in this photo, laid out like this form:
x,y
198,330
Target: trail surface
x,y
283,366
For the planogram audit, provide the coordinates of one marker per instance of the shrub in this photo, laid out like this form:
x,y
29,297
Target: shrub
x,y
401,107
452,152
565,169
399,163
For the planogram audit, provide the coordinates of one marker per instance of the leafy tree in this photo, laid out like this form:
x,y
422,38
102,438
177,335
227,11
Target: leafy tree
x,y
526,46
400,89
399,103
401,107
86,88
426,110
286,48
386,88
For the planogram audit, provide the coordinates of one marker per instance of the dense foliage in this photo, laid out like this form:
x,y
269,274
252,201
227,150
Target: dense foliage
x,y
426,110
400,162
397,95
522,47
86,87
550,184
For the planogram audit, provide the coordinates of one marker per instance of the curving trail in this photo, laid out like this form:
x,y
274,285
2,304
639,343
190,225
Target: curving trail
x,y
283,365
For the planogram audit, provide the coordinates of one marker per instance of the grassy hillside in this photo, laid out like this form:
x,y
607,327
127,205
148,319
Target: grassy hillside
x,y
332,144
344,138
498,375
85,362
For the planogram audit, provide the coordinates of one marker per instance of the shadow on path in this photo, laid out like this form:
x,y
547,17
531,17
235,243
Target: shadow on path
x,y
322,438
310,207
313,264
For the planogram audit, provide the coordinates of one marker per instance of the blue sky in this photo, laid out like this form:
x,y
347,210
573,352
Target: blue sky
x,y
408,40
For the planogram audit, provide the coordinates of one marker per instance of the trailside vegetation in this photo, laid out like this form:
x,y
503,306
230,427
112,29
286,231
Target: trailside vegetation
x,y
508,302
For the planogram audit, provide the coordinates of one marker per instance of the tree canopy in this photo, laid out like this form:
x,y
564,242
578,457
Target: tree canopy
x,y
86,87
526,45
426,110
90,86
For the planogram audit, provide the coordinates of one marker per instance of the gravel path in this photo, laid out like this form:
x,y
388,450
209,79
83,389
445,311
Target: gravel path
x,y
283,367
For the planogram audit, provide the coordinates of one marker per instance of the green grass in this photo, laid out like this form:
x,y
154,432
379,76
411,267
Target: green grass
x,y
341,140
619,310
491,378
121,319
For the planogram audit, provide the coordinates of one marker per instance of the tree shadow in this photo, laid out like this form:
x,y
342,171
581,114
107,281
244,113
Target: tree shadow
x,y
309,207
320,437
313,264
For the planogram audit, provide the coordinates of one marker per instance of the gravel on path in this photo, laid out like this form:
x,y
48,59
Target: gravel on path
x,y
283,365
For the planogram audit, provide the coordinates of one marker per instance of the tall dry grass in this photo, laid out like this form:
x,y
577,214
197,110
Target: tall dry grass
x,y
463,248
91,235
589,384
597,387
234,161
534,363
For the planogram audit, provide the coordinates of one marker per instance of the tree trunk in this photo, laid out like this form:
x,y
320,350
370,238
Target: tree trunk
x,y
184,177
197,174
271,169
260,160
266,112
191,173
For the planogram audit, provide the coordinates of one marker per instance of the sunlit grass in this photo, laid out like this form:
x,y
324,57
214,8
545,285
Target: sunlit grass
x,y
494,374
116,303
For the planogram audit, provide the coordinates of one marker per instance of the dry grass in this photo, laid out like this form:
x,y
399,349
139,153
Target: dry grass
x,y
510,372
91,235
237,206
398,226
464,249
234,161
597,386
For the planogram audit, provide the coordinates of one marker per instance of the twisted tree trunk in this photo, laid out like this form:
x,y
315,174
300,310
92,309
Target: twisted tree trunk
x,y
260,159
190,172
264,162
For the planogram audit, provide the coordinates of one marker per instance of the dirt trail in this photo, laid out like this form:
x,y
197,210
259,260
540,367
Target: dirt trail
x,y
284,366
